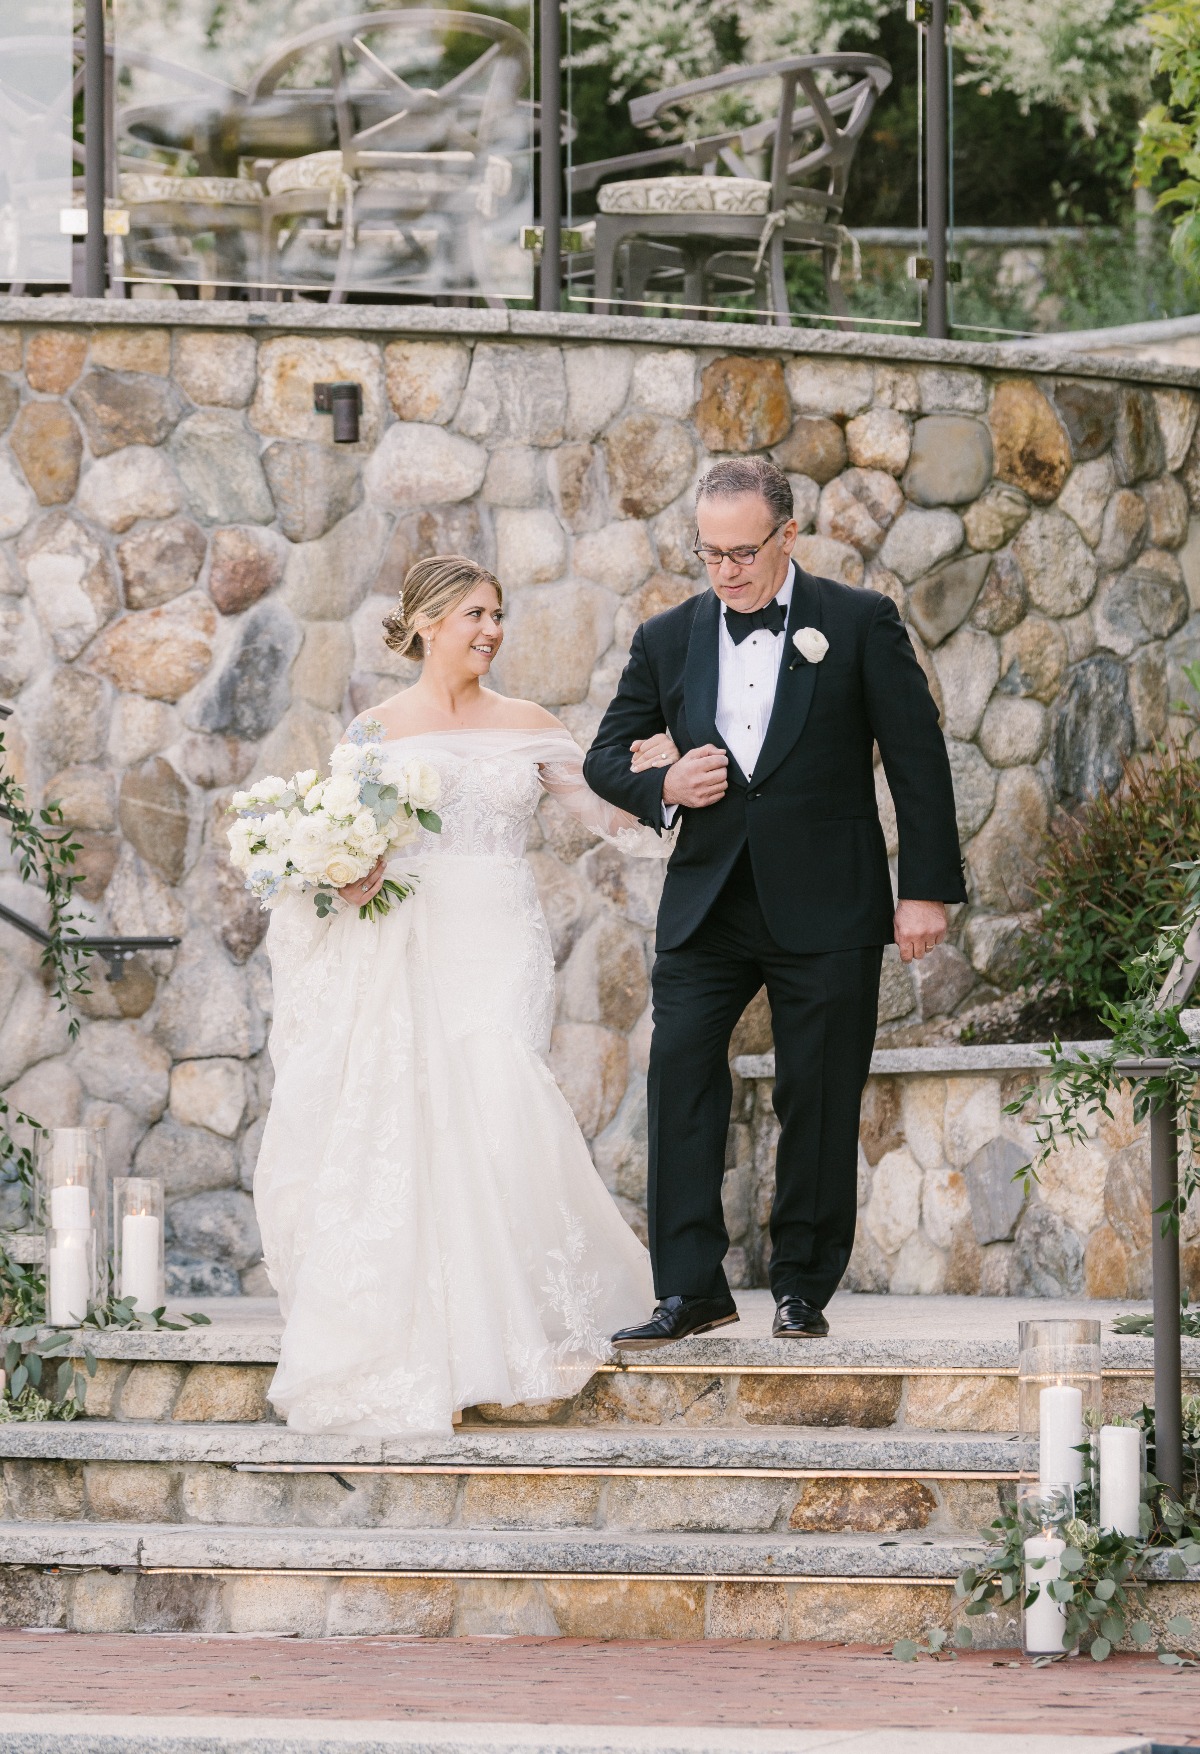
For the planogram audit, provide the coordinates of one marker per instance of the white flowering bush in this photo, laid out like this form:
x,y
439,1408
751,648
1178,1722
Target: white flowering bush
x,y
313,835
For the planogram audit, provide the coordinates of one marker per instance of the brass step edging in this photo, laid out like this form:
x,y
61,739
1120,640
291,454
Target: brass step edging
x,y
506,1576
1005,1370
587,1471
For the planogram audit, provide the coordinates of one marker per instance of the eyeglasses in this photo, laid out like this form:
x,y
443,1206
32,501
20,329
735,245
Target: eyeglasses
x,y
740,556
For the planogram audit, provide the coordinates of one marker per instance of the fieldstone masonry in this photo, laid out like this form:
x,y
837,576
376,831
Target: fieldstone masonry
x,y
192,580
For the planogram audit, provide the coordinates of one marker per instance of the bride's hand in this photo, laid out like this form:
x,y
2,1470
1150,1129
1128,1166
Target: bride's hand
x,y
656,751
365,890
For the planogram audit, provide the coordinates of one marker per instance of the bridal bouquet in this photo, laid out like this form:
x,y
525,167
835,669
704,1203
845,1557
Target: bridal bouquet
x,y
309,834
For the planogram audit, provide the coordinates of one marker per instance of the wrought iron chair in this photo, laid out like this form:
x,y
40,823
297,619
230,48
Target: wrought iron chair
x,y
414,174
713,232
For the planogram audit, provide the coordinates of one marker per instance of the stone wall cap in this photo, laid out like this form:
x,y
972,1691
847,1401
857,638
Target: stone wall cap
x,y
951,1059
391,320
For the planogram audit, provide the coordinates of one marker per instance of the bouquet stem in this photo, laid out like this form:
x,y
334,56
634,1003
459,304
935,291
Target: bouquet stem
x,y
381,903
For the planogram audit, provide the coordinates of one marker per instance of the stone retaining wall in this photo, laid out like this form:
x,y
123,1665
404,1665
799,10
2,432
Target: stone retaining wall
x,y
192,580
938,1208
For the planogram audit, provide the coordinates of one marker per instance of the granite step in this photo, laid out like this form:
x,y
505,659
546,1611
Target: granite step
x,y
523,1478
314,1583
933,1364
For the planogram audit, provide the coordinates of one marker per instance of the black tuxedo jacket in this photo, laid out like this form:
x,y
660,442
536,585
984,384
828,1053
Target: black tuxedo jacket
x,y
809,810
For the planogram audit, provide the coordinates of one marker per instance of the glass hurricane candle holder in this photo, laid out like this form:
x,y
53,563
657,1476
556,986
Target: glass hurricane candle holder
x,y
70,1185
69,1199
1059,1398
138,1270
1042,1513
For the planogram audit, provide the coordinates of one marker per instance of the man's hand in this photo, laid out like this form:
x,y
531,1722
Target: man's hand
x,y
656,751
919,926
698,778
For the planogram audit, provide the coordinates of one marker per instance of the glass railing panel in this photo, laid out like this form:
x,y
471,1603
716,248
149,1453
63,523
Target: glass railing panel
x,y
35,142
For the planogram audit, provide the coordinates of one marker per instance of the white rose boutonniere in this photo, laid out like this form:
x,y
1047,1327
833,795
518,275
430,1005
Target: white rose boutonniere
x,y
811,644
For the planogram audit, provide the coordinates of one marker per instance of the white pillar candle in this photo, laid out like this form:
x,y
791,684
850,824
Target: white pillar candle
x,y
1046,1619
69,1281
139,1259
1120,1478
70,1206
1060,1421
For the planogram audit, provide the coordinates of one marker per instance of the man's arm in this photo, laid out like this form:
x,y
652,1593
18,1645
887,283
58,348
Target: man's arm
x,y
635,711
905,722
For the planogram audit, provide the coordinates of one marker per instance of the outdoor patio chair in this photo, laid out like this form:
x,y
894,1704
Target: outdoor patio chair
x,y
710,232
414,175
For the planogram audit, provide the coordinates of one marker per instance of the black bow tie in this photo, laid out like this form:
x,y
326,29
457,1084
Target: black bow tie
x,y
772,617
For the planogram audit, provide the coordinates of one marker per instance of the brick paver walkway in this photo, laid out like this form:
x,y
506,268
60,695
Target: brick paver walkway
x,y
560,1680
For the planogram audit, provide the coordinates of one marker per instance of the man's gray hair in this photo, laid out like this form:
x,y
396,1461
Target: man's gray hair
x,y
737,475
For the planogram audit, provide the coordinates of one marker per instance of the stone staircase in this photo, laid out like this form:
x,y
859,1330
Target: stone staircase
x,y
728,1487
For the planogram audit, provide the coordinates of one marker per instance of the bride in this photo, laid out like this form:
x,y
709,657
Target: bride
x,y
431,1218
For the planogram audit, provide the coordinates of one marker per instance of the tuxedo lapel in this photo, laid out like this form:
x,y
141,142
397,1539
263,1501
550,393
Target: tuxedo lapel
x,y
797,680
701,675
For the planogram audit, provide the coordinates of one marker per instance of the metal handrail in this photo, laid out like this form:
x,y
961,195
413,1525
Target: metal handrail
x,y
115,951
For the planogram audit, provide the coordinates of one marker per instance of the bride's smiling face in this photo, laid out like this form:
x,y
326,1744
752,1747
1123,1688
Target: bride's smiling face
x,y
467,639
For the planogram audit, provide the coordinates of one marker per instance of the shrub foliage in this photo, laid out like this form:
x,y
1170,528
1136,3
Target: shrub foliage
x,y
1110,882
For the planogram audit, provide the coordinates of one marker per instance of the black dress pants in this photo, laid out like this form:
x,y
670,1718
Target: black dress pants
x,y
823,1011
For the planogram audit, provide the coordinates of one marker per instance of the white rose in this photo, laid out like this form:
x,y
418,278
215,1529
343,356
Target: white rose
x,y
422,785
811,643
341,797
304,782
269,789
345,759
242,837
314,794
241,801
402,829
364,827
343,869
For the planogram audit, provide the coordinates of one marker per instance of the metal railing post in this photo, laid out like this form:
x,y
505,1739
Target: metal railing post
x,y
937,167
95,243
1164,1256
550,101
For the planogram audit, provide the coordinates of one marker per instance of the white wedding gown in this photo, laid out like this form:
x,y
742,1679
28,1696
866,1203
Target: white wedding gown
x,y
431,1217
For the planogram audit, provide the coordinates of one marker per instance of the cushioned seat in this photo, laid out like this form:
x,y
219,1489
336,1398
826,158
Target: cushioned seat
x,y
139,187
424,174
734,195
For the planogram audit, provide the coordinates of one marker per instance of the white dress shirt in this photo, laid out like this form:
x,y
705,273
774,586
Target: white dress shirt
x,y
747,677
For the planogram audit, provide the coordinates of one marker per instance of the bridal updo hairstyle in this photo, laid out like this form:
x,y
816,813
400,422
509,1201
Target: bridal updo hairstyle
x,y
432,588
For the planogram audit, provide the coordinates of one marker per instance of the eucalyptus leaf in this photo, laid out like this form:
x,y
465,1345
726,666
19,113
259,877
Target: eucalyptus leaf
x,y
1141,1632
1101,1648
1113,1628
1180,1626
963,1638
905,1650
1106,1589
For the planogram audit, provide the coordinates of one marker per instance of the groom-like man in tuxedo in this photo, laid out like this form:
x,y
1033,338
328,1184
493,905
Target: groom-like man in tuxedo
x,y
774,686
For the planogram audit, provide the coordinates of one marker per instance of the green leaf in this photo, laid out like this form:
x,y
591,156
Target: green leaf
x,y
1142,1633
429,821
1072,1560
1180,1626
80,1388
1105,1589
905,1650
1113,1628
963,1638
62,1383
1101,1648
20,1377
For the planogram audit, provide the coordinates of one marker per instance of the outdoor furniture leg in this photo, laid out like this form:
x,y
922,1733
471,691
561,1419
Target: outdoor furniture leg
x,y
781,313
1164,1257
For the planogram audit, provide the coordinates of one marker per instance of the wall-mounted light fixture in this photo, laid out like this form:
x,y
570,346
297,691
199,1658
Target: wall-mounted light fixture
x,y
344,402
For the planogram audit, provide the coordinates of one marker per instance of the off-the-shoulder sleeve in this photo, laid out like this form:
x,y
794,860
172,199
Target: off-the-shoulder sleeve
x,y
561,770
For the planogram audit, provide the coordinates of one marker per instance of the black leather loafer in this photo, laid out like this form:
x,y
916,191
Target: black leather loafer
x,y
675,1318
797,1319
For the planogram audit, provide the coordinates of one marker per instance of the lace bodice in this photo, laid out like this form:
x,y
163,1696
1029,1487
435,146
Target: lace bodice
x,y
492,783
